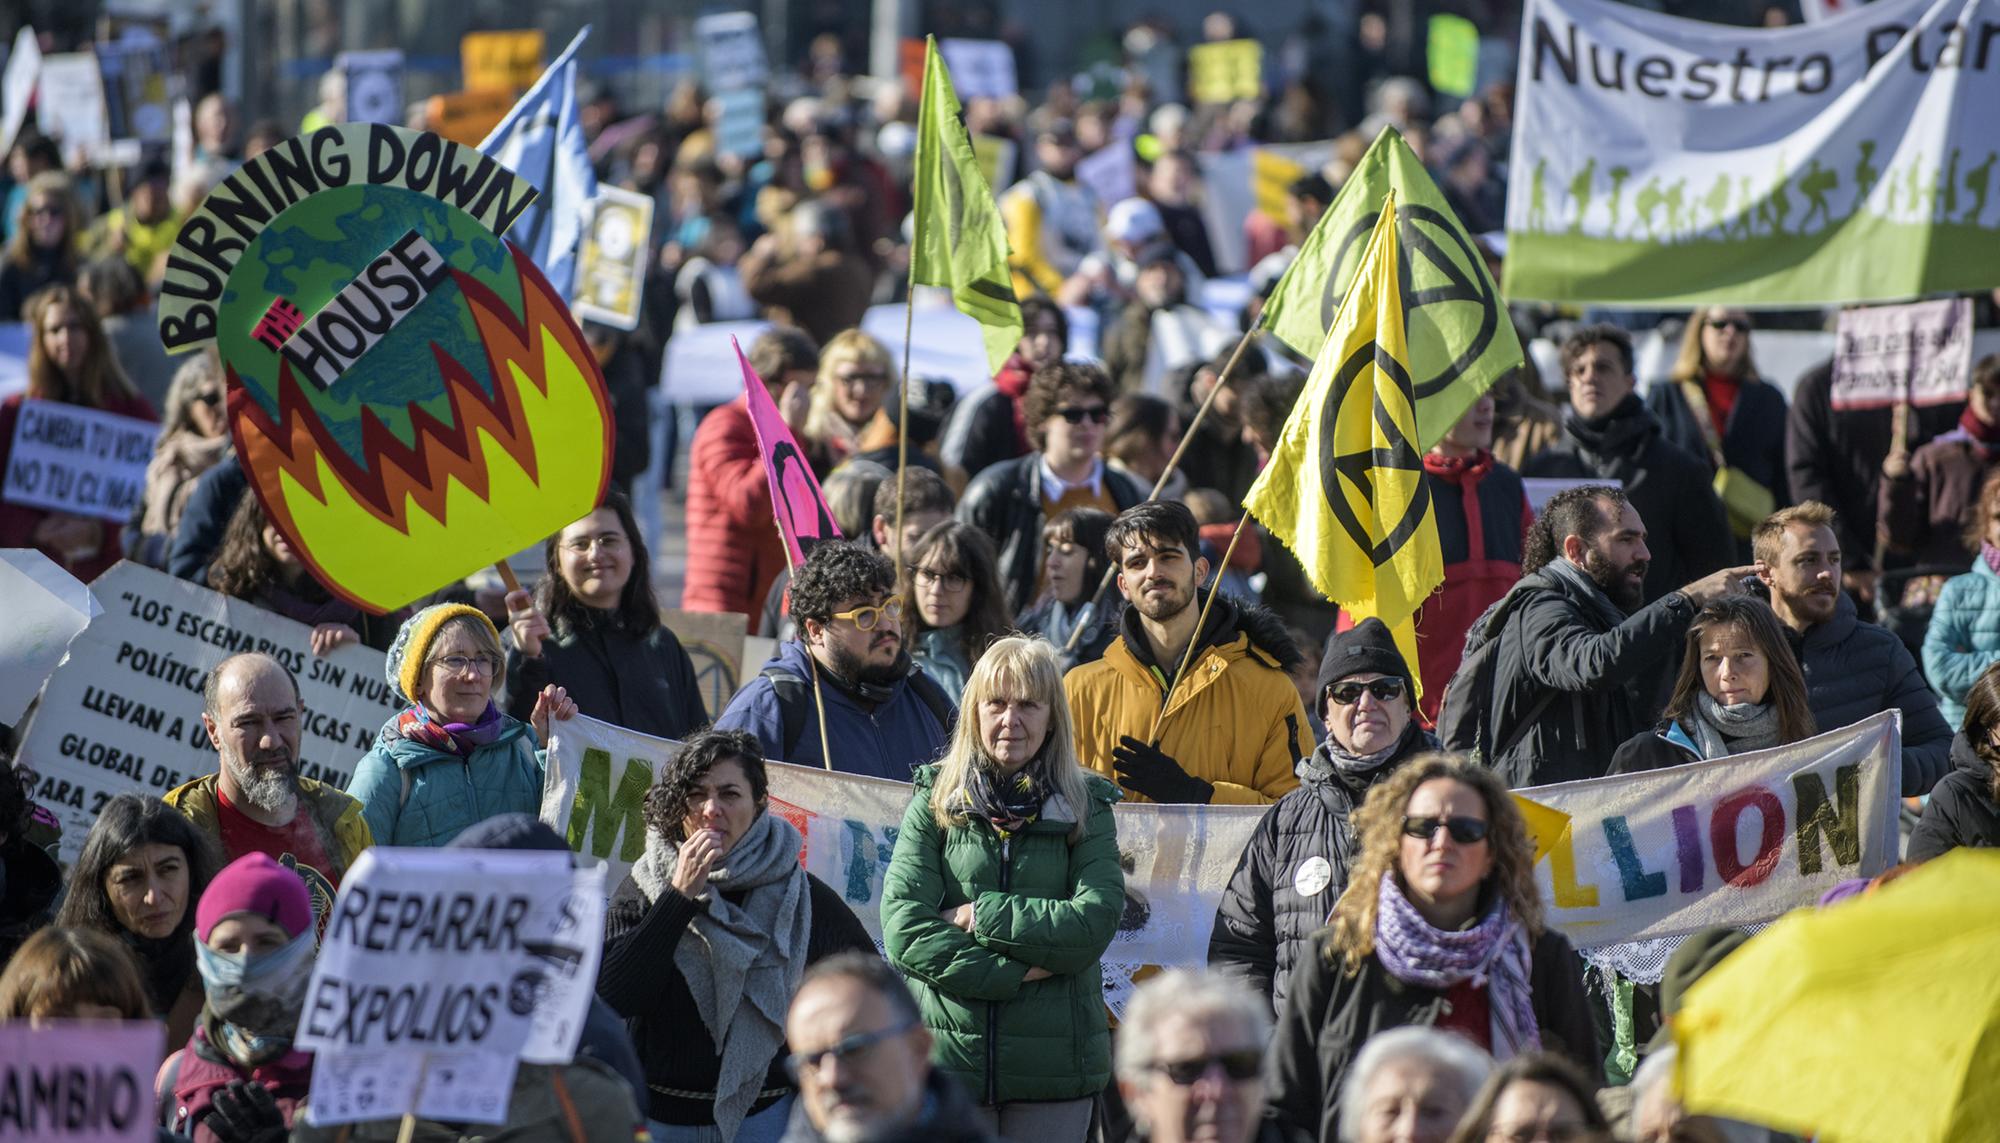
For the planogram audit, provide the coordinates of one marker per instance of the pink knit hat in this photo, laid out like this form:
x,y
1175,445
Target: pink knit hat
x,y
256,884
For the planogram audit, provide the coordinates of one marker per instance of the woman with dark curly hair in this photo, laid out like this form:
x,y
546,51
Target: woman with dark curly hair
x,y
257,564
705,942
143,867
953,602
1441,925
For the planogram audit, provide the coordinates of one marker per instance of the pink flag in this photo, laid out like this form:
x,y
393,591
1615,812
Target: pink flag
x,y
803,517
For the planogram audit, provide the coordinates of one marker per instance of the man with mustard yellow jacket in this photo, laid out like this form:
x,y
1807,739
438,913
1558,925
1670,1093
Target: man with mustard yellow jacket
x,y
1234,729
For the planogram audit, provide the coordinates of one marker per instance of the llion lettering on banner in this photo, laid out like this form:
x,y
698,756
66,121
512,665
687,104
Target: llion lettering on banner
x,y
122,711
441,971
85,1081
1732,841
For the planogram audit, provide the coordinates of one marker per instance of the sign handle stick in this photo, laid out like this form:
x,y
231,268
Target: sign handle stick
x,y
1899,449
408,1131
819,702
1201,621
507,578
1173,462
903,419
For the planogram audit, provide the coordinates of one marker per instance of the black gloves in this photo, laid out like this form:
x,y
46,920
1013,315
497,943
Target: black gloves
x,y
245,1113
1142,769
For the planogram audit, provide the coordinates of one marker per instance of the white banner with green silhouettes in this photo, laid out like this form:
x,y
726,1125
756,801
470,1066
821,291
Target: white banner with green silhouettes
x,y
1660,161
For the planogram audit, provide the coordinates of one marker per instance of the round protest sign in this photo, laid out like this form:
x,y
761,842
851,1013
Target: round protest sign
x,y
409,395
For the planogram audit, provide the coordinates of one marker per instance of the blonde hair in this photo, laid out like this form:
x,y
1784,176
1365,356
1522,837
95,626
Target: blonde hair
x,y
1767,539
847,346
1378,825
1013,667
1691,364
20,248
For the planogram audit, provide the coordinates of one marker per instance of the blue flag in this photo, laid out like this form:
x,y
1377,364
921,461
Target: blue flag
x,y
542,141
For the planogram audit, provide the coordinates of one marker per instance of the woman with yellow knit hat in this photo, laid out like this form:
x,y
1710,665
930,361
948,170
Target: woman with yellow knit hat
x,y
452,759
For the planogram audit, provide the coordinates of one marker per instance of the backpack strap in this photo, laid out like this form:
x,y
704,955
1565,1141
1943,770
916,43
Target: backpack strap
x,y
932,694
794,706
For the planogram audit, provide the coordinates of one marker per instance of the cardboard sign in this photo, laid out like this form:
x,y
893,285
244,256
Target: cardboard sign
x,y
79,1081
86,462
374,85
69,105
980,69
501,61
714,641
732,51
122,712
466,117
433,978
1920,353
611,266
450,413
1226,71
46,608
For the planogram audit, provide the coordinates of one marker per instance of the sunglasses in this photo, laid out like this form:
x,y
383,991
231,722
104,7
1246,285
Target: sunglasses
x,y
1077,414
1464,831
1240,1065
851,1048
865,618
1729,323
1384,690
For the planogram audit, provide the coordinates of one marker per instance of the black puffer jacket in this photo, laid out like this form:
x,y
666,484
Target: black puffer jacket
x,y
1005,502
1565,635
1686,528
1855,669
1961,812
1295,868
1328,1015
644,682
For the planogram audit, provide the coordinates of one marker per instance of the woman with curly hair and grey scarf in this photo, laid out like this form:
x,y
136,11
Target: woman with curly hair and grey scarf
x,y
706,941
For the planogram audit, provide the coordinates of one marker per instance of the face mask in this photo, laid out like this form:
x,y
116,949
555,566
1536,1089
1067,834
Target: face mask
x,y
262,994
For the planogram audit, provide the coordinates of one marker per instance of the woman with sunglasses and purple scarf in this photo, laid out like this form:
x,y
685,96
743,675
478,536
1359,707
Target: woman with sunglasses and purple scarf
x,y
1296,865
451,759
1440,926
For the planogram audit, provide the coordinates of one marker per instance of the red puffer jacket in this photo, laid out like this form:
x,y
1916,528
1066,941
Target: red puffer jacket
x,y
1482,519
734,550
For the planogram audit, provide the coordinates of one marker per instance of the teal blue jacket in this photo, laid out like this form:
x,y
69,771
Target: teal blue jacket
x,y
1963,638
413,795
1037,901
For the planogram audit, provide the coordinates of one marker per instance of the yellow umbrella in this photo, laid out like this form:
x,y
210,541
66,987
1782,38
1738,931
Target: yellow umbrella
x,y
1875,1019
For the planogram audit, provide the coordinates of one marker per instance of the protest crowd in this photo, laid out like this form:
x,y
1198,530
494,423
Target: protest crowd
x,y
559,664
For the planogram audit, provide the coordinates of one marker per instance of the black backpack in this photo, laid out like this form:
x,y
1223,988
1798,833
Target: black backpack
x,y
795,702
1466,718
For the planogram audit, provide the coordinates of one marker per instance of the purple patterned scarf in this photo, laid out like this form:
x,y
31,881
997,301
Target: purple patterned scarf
x,y
1991,555
419,724
1493,953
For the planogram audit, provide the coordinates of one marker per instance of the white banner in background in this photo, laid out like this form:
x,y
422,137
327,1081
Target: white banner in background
x,y
122,712
1733,841
67,458
1920,353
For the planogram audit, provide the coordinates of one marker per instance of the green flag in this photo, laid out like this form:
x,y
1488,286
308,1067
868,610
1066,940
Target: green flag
x,y
1460,337
960,240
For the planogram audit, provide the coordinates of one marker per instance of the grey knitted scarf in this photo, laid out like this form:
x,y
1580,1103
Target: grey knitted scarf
x,y
1724,730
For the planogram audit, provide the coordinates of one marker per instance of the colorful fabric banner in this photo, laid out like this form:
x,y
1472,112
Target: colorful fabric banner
x,y
959,241
1345,489
1734,841
1461,339
541,140
1663,162
803,516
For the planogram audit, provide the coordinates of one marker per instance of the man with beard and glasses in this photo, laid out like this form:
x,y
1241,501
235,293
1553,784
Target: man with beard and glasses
x,y
1610,435
257,801
1234,730
1582,659
884,716
1853,669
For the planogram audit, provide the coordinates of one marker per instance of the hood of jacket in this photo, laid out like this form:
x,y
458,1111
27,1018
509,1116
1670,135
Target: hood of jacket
x,y
1964,757
1262,629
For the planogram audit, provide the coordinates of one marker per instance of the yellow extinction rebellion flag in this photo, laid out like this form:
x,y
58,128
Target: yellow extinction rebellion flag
x,y
960,241
1345,486
1460,337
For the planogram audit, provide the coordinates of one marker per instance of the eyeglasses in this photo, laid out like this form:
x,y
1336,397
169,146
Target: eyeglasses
x,y
1737,324
47,210
1347,694
1077,414
865,618
1464,831
949,580
459,664
871,380
849,1049
1238,1065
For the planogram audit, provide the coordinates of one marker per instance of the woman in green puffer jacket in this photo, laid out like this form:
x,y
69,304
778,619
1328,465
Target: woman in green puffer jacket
x,y
1003,894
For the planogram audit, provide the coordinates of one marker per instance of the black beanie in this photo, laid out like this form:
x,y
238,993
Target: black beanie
x,y
1366,647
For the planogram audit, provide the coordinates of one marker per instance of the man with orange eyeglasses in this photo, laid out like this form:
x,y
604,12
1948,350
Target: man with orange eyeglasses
x,y
884,716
